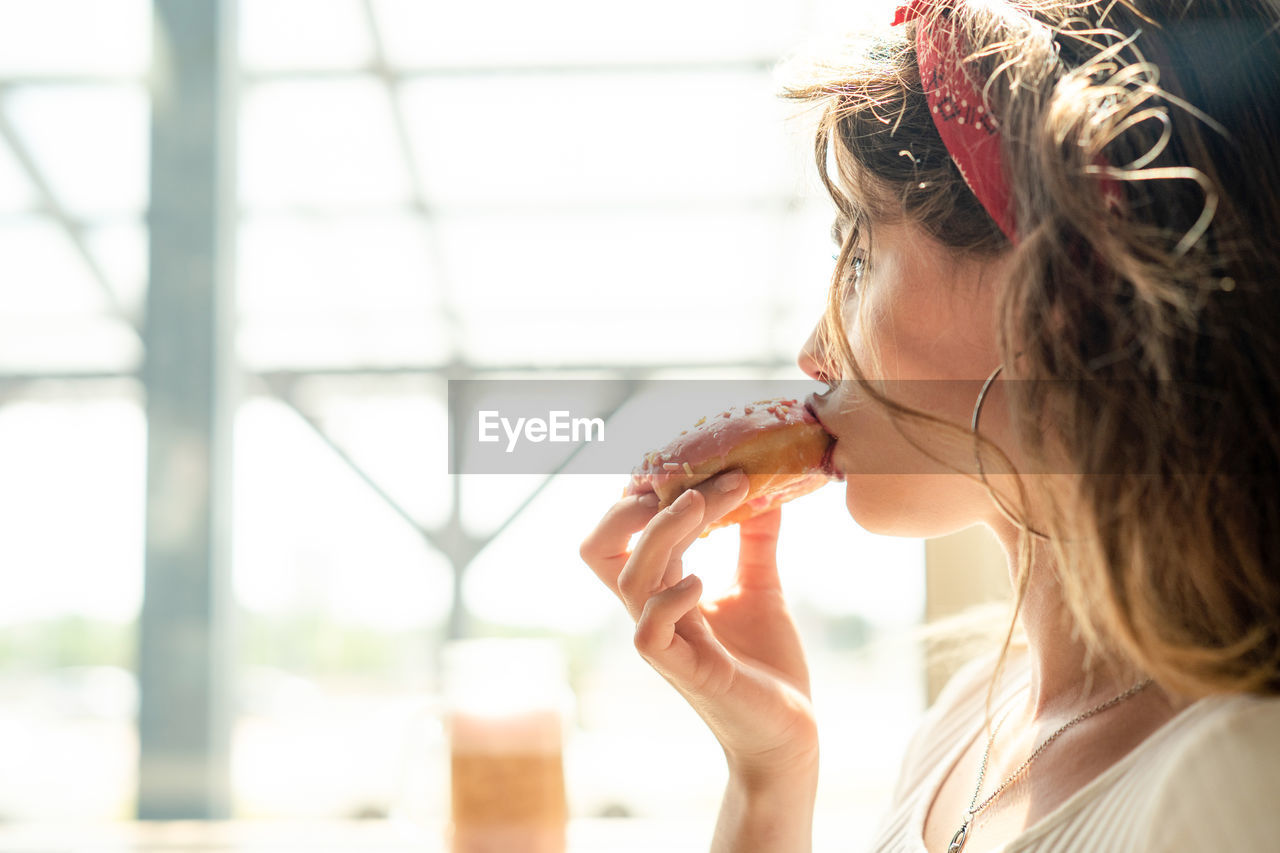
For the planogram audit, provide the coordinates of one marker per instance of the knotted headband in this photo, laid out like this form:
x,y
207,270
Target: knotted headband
x,y
964,119
959,110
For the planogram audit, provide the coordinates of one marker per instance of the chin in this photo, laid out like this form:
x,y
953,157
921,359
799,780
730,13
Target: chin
x,y
907,505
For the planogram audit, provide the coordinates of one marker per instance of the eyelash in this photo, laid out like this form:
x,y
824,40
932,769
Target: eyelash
x,y
859,264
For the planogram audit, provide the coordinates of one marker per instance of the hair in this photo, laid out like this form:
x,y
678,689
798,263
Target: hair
x,y
1144,329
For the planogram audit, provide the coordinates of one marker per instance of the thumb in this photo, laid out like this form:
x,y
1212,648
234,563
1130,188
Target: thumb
x,y
758,551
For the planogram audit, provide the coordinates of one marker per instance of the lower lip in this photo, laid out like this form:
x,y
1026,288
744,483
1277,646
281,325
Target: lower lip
x,y
828,463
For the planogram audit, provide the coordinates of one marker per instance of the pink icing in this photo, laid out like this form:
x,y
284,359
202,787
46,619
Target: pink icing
x,y
715,435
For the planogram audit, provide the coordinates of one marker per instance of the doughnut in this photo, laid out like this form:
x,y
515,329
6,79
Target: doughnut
x,y
777,443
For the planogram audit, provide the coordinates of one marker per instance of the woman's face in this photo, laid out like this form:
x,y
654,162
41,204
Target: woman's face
x,y
926,316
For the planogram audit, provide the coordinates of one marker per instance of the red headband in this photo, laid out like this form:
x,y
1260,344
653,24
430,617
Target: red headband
x,y
960,112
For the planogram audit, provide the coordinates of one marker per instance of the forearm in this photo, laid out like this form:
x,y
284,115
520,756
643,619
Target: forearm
x,y
767,815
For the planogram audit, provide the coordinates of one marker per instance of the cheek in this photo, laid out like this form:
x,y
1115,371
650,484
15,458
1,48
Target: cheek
x,y
889,346
912,333
860,330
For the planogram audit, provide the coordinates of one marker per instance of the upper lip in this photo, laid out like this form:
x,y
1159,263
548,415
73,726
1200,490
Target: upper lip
x,y
810,403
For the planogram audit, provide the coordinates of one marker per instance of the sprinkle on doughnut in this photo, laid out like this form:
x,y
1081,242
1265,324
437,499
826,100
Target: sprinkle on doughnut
x,y
777,443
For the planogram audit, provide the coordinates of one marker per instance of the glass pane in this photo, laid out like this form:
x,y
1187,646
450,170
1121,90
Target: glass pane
x,y
531,575
577,337
334,290
121,251
336,264
68,344
395,429
44,273
599,138
75,36
91,144
55,313
613,288
317,343
71,466
293,34
489,501
343,604
310,536
71,567
673,265
16,193
509,32
322,142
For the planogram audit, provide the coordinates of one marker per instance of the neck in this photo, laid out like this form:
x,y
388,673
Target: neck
x,y
1064,676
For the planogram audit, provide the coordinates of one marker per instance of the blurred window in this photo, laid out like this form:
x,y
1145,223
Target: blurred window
x,y
528,190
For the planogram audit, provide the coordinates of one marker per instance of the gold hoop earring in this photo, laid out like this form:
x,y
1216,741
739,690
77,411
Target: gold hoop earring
x,y
977,457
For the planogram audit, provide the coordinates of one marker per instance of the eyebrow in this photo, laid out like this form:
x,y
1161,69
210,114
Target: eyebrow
x,y
836,232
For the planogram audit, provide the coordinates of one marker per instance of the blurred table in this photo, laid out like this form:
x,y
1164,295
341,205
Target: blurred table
x,y
585,836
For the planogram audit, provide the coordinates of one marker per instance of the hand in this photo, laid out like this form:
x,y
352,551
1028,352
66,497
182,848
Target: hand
x,y
737,660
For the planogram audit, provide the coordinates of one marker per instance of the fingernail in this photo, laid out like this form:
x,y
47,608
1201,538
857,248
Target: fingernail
x,y
682,503
649,499
728,482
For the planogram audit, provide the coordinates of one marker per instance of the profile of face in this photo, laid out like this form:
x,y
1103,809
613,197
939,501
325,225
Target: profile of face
x,y
923,319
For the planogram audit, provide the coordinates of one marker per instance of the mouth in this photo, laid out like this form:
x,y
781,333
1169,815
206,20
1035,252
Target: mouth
x,y
828,463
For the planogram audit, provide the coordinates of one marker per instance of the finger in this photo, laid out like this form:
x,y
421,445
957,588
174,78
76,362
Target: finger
x,y
655,637
655,550
758,551
605,548
722,493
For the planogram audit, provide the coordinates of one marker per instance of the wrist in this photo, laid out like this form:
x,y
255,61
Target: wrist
x,y
792,760
768,775
766,810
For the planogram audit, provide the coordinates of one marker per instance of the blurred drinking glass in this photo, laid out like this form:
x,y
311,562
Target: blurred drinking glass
x,y
506,704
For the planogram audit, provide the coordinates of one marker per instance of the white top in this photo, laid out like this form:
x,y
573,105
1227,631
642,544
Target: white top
x,y
1207,780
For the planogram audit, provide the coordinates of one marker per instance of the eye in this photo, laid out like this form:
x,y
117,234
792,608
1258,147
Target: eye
x,y
857,266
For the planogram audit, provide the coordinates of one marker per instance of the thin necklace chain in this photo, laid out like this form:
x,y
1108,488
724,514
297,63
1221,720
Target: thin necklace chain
x,y
963,832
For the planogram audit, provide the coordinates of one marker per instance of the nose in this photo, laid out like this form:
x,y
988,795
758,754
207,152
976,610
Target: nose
x,y
813,358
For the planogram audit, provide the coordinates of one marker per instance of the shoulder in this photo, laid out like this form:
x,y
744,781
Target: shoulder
x,y
1214,783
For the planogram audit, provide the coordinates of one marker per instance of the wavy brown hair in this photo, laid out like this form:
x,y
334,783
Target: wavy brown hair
x,y
1146,330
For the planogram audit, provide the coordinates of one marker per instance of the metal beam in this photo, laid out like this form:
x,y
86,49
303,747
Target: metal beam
x,y
185,649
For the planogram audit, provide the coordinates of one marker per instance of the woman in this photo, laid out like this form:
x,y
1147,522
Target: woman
x,y
1078,197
